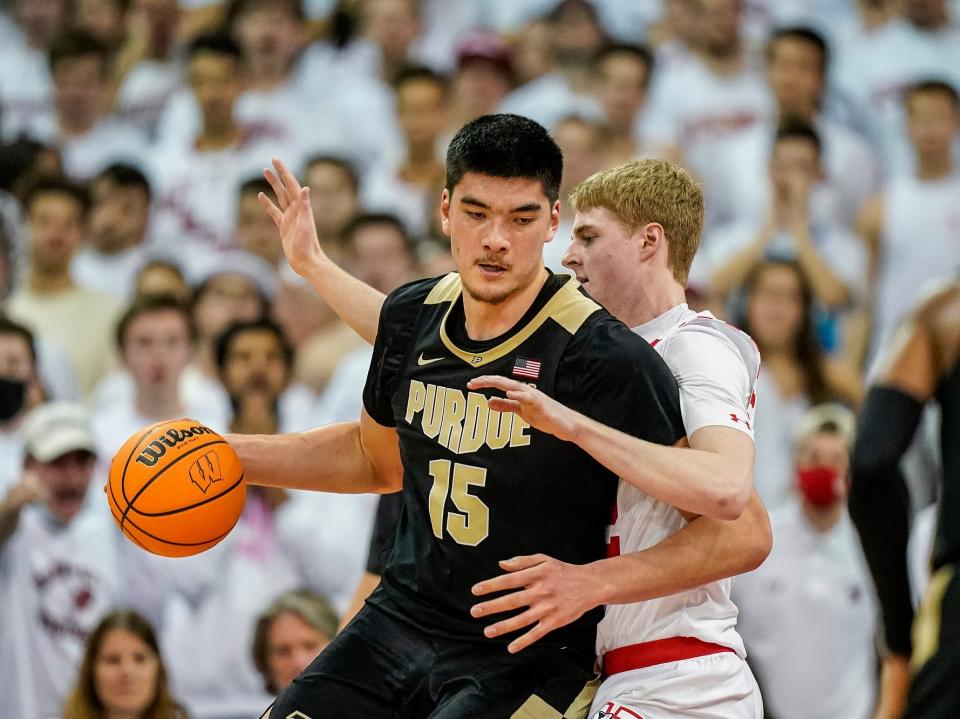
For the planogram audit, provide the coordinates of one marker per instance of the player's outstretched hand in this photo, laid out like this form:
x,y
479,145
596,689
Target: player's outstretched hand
x,y
293,217
537,409
554,592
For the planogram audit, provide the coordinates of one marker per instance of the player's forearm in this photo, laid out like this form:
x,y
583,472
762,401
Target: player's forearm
x,y
328,459
704,551
355,302
697,481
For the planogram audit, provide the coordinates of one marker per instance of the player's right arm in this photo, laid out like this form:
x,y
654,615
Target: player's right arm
x,y
349,458
355,302
920,353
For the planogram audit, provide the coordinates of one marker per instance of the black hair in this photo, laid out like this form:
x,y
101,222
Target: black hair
x,y
56,185
793,128
413,73
338,162
638,52
933,85
148,304
9,327
506,146
802,34
255,184
17,158
125,175
77,43
235,329
366,219
217,43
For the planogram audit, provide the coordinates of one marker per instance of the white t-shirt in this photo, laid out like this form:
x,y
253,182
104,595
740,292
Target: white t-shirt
x,y
55,585
777,421
697,111
875,70
549,99
808,617
342,398
919,245
11,459
849,163
145,91
26,89
113,274
715,366
197,193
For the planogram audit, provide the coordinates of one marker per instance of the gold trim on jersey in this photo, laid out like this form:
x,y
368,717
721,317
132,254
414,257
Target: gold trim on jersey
x,y
568,308
537,708
926,625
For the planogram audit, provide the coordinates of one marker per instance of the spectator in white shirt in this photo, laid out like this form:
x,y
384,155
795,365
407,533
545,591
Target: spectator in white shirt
x,y
58,562
334,196
26,90
89,138
797,226
797,69
116,232
808,615
155,339
79,320
20,391
255,232
622,75
483,77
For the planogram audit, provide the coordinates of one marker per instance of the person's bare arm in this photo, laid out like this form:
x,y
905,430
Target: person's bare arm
x,y
28,489
713,478
556,593
355,302
824,283
731,274
348,458
368,582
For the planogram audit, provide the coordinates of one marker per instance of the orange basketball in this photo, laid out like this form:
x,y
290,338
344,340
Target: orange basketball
x,y
176,488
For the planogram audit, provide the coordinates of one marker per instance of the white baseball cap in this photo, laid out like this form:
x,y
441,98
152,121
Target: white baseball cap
x,y
52,430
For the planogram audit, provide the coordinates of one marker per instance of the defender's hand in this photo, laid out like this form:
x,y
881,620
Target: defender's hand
x,y
537,409
294,219
554,592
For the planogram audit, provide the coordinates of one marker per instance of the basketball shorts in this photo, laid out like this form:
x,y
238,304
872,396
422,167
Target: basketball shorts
x,y
381,667
717,686
935,688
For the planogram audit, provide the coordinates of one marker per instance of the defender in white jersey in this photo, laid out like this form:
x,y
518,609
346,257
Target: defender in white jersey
x,y
699,647
680,654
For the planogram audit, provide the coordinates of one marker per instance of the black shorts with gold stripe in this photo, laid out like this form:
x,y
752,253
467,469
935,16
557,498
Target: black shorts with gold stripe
x,y
381,667
935,688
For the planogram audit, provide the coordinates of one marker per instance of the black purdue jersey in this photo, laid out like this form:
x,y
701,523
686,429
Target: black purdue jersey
x,y
946,548
480,486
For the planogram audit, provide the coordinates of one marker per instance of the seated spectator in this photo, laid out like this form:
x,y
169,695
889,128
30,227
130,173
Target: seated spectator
x,y
807,615
482,78
155,340
255,232
622,75
89,138
798,226
255,362
196,181
49,302
289,635
795,374
59,561
117,231
334,196
26,89
410,187
104,20
122,674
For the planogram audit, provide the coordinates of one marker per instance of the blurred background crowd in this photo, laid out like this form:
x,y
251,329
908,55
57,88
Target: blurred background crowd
x,y
141,280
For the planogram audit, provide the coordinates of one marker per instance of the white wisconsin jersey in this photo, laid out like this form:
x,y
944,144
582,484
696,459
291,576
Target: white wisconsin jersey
x,y
716,368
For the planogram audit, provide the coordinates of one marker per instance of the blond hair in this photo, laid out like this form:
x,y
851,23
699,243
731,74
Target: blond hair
x,y
645,191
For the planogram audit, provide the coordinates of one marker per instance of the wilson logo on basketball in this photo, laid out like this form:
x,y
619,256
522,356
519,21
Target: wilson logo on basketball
x,y
153,452
206,470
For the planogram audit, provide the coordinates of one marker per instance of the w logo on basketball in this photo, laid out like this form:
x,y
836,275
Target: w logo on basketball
x,y
206,470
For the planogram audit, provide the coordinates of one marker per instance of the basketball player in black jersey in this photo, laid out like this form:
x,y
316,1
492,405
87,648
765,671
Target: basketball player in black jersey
x,y
923,365
479,486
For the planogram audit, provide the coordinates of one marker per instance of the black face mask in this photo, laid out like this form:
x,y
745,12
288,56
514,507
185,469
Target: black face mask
x,y
13,393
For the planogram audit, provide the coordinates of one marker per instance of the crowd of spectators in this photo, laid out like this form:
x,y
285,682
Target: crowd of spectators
x,y
141,280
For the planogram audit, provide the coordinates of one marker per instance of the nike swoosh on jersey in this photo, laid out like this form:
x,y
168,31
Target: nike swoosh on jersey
x,y
422,361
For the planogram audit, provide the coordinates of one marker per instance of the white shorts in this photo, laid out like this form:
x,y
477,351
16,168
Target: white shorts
x,y
717,686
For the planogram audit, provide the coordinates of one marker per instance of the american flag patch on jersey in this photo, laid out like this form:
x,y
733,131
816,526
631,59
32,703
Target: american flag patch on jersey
x,y
526,368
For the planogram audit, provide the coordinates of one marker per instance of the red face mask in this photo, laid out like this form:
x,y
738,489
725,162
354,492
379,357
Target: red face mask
x,y
818,484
